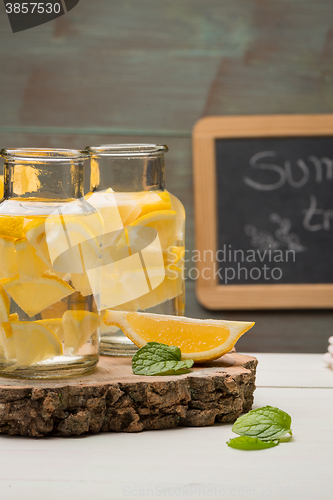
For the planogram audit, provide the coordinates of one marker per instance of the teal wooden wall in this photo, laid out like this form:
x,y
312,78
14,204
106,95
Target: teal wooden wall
x,y
146,70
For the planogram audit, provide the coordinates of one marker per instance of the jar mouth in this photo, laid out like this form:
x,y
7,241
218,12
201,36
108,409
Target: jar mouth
x,y
44,154
127,150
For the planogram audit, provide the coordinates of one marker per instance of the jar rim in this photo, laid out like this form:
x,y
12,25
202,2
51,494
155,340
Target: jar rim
x,y
44,154
127,150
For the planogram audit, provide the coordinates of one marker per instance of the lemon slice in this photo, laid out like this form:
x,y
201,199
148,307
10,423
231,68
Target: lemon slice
x,y
163,221
35,296
5,346
152,201
2,349
8,266
29,265
174,255
7,340
35,233
11,225
81,283
72,245
128,207
78,327
4,305
180,218
171,287
106,204
198,339
34,342
133,205
54,324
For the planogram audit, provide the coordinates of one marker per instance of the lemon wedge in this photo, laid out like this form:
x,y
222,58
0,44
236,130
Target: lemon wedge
x,y
78,327
11,225
34,342
198,339
29,265
8,265
35,296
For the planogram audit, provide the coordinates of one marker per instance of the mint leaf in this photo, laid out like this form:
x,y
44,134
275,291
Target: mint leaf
x,y
250,443
267,423
159,359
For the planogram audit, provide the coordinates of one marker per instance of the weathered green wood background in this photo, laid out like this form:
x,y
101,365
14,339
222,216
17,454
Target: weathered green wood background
x,y
146,70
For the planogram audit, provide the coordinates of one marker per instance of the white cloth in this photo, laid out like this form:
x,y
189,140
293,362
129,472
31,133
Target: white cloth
x,y
328,358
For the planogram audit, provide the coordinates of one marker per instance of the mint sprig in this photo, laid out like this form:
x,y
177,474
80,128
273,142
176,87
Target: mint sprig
x,y
260,428
251,443
159,359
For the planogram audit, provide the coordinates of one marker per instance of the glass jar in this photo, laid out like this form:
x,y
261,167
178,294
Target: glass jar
x,y
144,236
48,328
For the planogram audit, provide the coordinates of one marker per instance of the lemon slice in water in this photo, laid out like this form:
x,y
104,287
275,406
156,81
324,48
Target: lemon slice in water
x,y
163,221
54,324
34,342
29,265
8,265
78,326
35,296
11,225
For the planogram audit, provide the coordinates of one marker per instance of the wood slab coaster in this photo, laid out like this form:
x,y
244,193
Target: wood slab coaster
x,y
114,399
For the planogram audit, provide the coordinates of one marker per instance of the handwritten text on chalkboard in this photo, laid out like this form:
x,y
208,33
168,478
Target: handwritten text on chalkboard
x,y
287,173
277,193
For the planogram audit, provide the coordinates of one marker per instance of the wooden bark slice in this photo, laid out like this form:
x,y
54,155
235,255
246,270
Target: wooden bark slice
x,y
114,399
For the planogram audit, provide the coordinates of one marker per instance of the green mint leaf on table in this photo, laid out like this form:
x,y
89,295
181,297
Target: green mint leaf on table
x,y
267,424
250,443
159,359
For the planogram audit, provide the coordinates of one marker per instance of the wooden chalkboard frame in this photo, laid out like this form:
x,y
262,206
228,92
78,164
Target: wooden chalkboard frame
x,y
210,293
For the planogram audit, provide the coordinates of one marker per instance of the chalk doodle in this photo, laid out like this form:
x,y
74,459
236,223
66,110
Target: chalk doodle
x,y
282,236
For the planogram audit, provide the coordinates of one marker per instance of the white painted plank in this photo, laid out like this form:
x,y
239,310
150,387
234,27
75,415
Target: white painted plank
x,y
292,370
193,462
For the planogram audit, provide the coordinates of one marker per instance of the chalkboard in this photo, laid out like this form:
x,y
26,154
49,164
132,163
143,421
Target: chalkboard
x,y
264,211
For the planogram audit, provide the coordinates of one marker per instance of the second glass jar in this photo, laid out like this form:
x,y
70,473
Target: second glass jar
x,y
144,236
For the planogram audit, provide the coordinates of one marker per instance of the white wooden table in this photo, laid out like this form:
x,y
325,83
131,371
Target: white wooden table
x,y
190,463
